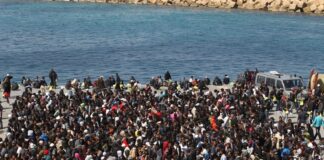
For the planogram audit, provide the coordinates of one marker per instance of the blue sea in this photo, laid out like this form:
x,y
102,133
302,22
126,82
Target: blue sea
x,y
88,39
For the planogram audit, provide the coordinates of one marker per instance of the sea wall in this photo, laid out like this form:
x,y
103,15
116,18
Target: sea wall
x,y
307,6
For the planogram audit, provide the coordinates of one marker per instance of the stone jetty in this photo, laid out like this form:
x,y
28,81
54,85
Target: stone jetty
x,y
307,6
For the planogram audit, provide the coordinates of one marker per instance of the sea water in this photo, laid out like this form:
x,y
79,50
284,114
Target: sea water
x,y
88,39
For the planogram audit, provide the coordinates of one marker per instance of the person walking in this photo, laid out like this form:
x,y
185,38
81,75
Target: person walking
x,y
317,123
7,87
53,78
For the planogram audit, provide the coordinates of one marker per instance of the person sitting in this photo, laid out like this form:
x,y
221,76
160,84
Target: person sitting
x,y
132,78
217,81
23,80
14,86
26,81
42,81
207,80
226,79
68,85
36,83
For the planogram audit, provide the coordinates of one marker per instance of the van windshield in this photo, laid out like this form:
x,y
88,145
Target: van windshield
x,y
289,84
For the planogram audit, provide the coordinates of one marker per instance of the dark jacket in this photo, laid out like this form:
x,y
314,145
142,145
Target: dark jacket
x,y
167,76
52,75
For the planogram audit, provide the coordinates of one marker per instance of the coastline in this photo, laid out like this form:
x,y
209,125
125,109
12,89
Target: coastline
x,y
299,6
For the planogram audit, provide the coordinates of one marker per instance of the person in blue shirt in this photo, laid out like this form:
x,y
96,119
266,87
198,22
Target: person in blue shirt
x,y
317,123
285,153
44,137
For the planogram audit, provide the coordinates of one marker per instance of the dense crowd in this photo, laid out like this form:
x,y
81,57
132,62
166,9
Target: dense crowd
x,y
184,121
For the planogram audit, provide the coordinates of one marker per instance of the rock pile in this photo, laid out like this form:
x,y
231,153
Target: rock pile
x,y
307,6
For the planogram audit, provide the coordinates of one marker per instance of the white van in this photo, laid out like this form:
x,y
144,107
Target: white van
x,y
279,81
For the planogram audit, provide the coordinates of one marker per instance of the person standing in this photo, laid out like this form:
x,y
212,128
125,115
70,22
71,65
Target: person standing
x,y
317,123
207,80
53,78
117,84
167,76
7,87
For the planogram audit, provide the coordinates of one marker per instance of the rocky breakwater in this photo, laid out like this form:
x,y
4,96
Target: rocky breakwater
x,y
307,6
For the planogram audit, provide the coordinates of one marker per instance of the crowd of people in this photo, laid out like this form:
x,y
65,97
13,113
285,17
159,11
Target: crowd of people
x,y
186,121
